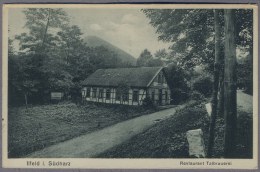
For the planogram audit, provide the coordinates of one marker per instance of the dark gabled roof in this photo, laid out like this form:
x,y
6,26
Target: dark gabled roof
x,y
133,77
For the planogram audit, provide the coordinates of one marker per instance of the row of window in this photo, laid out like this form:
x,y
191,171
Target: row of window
x,y
119,96
122,96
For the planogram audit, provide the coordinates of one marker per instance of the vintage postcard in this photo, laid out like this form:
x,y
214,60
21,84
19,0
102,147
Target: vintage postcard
x,y
124,86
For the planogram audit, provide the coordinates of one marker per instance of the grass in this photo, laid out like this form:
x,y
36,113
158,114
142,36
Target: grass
x,y
40,126
244,136
167,139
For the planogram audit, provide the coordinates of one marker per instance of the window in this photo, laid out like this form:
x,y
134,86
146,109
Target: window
x,y
83,92
100,93
166,96
135,96
153,96
88,92
125,96
118,95
94,94
108,94
161,79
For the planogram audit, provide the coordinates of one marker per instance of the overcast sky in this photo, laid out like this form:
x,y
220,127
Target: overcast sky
x,y
128,29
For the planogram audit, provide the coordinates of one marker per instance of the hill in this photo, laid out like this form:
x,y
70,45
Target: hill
x,y
94,41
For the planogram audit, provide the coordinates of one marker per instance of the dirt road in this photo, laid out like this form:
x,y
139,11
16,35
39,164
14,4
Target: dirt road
x,y
97,142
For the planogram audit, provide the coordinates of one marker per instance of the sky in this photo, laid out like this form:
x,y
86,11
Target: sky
x,y
128,29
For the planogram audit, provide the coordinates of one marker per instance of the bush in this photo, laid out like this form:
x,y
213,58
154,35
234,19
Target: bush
x,y
245,135
177,80
203,85
166,139
178,96
147,102
193,118
244,139
195,95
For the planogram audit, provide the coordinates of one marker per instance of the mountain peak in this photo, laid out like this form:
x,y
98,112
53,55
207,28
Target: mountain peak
x,y
95,41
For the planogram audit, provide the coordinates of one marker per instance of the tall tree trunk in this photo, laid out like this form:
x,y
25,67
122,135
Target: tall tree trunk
x,y
215,84
221,93
249,84
45,30
230,104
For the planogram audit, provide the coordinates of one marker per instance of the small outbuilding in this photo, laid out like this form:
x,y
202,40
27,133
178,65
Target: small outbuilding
x,y
129,86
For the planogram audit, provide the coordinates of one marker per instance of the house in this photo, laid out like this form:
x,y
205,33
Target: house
x,y
129,86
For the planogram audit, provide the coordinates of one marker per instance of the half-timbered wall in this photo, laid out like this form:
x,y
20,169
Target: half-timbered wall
x,y
158,91
101,94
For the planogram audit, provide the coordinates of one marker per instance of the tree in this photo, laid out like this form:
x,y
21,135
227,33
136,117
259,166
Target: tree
x,y
244,74
144,58
190,31
154,63
161,54
22,78
244,24
39,21
22,75
230,106
217,65
12,74
203,84
71,43
43,47
177,79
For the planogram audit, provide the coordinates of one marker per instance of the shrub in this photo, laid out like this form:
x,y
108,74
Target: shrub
x,y
166,139
245,135
197,96
177,79
147,102
203,85
193,118
178,96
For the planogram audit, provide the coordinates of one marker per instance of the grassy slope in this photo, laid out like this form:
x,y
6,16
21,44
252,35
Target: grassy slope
x,y
40,126
167,139
164,140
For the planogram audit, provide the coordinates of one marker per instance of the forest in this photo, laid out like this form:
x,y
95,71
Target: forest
x,y
53,56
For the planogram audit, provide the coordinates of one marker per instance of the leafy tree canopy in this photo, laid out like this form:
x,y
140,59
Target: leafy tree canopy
x,y
147,59
191,32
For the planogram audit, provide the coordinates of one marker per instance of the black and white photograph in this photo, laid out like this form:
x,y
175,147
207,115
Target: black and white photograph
x,y
120,82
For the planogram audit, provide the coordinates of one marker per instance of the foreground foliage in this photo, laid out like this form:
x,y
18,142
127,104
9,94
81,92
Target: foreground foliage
x,y
244,139
167,139
40,126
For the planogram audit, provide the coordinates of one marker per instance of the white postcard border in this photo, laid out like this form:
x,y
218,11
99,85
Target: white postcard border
x,y
91,163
